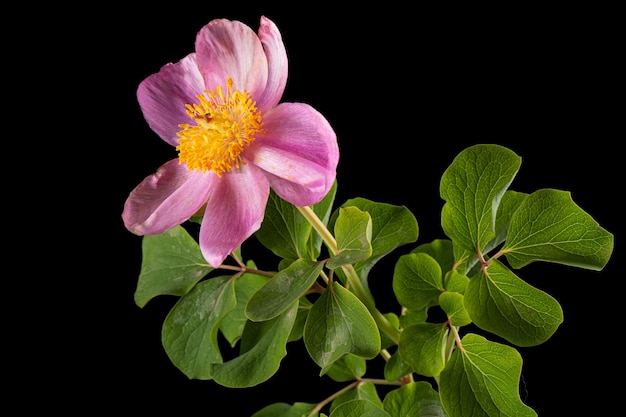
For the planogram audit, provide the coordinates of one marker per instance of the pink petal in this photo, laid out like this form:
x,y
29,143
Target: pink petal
x,y
277,64
228,48
166,199
299,153
234,212
162,97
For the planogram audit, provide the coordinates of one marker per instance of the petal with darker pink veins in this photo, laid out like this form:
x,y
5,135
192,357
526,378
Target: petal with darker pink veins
x,y
276,62
228,48
235,211
298,152
166,199
163,96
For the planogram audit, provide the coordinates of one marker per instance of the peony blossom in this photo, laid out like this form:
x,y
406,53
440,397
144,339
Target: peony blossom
x,y
220,108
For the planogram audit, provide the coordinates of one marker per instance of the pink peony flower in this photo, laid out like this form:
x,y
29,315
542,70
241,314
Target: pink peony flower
x,y
219,107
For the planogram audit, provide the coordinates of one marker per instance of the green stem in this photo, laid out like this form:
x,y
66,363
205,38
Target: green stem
x,y
353,278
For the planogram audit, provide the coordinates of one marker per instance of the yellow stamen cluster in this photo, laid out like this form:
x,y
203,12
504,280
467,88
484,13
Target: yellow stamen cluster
x,y
225,126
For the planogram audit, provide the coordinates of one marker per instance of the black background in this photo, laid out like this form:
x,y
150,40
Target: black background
x,y
406,89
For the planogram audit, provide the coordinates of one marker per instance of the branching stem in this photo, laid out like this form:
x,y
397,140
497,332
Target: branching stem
x,y
353,278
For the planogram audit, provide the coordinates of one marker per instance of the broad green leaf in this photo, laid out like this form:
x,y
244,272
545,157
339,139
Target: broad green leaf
x,y
359,408
482,379
417,280
472,187
353,231
339,323
233,323
422,347
283,289
263,346
502,303
416,399
171,265
347,368
284,230
392,227
549,226
365,391
286,410
452,304
455,281
287,233
189,333
441,250
411,317
510,202
396,367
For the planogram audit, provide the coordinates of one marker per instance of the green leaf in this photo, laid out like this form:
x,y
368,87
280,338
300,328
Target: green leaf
x,y
441,250
417,280
353,231
549,226
482,379
263,346
233,323
347,368
339,323
500,302
287,233
455,281
411,317
364,391
171,265
286,410
359,408
283,289
392,227
189,333
422,347
284,230
396,367
511,200
416,399
472,187
452,304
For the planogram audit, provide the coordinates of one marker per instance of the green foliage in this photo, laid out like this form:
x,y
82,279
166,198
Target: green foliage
x,y
472,187
282,290
339,323
171,264
353,231
392,227
481,379
500,302
366,391
417,399
549,226
319,295
422,347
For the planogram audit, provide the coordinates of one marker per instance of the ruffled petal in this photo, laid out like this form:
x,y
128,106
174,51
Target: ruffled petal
x,y
277,64
166,199
228,48
299,153
162,96
233,213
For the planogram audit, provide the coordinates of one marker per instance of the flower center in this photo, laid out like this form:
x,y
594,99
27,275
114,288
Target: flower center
x,y
225,126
